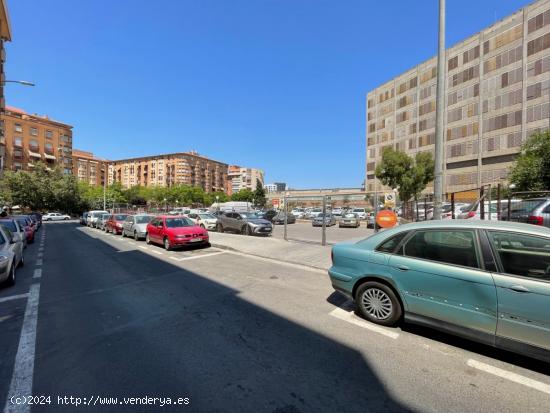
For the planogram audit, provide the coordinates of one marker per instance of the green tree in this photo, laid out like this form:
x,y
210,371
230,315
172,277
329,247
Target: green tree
x,y
531,171
259,195
245,195
408,175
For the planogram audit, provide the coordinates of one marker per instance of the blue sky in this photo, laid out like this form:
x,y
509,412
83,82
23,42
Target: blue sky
x,y
274,84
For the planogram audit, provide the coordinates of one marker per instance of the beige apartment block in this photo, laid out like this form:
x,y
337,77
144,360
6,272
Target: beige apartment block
x,y
183,168
243,178
29,139
497,95
88,168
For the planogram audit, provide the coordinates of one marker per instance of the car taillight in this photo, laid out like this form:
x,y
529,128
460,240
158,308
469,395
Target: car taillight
x,y
471,214
535,220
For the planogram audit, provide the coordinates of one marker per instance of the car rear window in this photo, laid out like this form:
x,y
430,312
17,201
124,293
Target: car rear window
x,y
179,222
121,217
143,219
9,225
391,244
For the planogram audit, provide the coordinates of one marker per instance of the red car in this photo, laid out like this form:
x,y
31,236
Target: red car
x,y
26,224
114,223
175,231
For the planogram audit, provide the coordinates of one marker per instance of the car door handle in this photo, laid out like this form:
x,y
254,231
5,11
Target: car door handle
x,y
519,289
403,268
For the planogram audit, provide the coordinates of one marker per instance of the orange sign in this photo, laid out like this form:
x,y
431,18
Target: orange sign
x,y
275,202
386,219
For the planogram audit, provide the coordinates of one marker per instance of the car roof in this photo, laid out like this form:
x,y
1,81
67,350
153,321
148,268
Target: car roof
x,y
473,224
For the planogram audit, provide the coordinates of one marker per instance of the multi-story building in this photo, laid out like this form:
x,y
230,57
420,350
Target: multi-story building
x,y
88,168
29,139
241,178
497,95
182,168
5,36
275,187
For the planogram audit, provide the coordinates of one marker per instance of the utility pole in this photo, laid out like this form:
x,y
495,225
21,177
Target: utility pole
x,y
439,115
105,188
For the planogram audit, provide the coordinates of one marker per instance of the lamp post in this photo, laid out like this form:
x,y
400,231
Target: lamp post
x,y
104,190
218,203
165,207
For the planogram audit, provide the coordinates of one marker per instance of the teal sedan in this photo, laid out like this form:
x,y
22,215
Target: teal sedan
x,y
485,280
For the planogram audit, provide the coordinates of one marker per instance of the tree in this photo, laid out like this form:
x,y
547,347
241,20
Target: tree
x,y
406,174
245,195
259,195
531,171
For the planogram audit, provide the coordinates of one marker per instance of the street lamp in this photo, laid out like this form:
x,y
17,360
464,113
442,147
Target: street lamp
x,y
21,82
218,203
165,207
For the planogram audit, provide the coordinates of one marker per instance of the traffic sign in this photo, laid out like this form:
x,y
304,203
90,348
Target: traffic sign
x,y
386,218
389,200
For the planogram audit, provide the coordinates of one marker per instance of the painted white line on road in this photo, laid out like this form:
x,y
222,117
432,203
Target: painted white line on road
x,y
156,252
508,375
13,297
143,247
194,257
131,243
41,249
174,258
37,273
353,319
23,370
40,255
274,261
39,262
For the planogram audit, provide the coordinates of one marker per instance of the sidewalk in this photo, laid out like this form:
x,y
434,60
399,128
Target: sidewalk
x,y
301,253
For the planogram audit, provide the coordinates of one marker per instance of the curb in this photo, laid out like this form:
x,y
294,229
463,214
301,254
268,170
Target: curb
x,y
225,247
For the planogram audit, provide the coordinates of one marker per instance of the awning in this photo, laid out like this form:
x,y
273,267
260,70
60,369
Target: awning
x,y
35,154
48,156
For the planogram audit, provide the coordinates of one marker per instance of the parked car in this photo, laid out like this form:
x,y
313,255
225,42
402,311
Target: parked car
x,y
136,226
314,212
298,212
55,216
328,218
204,220
17,230
114,223
267,215
180,211
102,221
361,212
247,223
26,224
93,216
280,219
371,219
484,280
38,217
349,220
83,218
473,211
11,255
531,211
175,231
447,211
337,212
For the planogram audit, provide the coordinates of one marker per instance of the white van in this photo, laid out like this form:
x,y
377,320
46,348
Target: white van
x,y
93,216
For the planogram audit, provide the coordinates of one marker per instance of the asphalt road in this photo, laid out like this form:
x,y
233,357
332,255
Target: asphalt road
x,y
231,333
304,231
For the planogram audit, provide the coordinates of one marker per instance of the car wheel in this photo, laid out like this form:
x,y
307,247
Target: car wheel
x,y
123,233
147,239
22,262
66,218
136,236
220,228
167,245
11,277
246,230
202,226
378,303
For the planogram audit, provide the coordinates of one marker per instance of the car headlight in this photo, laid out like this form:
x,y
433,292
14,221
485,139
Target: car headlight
x,y
3,259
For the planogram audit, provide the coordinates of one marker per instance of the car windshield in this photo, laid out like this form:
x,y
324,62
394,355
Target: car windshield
x,y
179,222
23,222
358,210
349,215
207,216
9,225
104,216
120,217
249,215
143,219
321,215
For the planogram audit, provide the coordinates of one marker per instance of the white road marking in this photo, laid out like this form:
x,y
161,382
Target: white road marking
x,y
40,255
508,375
278,262
353,319
21,381
131,243
13,297
37,273
143,247
39,262
156,252
194,257
41,249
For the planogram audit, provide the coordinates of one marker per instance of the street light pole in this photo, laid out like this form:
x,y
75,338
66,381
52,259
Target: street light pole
x,y
104,191
439,120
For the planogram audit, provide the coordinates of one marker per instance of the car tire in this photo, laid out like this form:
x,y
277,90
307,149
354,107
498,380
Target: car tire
x,y
202,226
11,277
123,233
220,228
22,262
245,230
147,239
136,237
378,303
66,219
166,244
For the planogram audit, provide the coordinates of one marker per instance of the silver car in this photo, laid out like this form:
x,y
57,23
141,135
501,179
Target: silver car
x,y
101,221
330,220
136,226
93,216
350,220
11,255
15,227
204,220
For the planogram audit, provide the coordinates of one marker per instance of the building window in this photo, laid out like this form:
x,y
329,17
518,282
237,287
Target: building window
x,y
470,55
34,131
17,154
18,128
48,148
538,22
49,134
453,63
503,39
18,142
17,166
33,145
538,45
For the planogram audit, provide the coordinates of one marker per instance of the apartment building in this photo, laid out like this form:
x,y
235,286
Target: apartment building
x,y
88,168
275,187
29,139
497,95
239,178
182,168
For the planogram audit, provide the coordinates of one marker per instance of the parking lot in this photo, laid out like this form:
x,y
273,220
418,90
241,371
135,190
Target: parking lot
x,y
304,231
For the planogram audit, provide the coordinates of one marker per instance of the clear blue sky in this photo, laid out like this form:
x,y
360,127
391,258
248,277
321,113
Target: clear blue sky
x,y
274,84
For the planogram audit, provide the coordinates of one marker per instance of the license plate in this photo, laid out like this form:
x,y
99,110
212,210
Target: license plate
x,y
196,240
